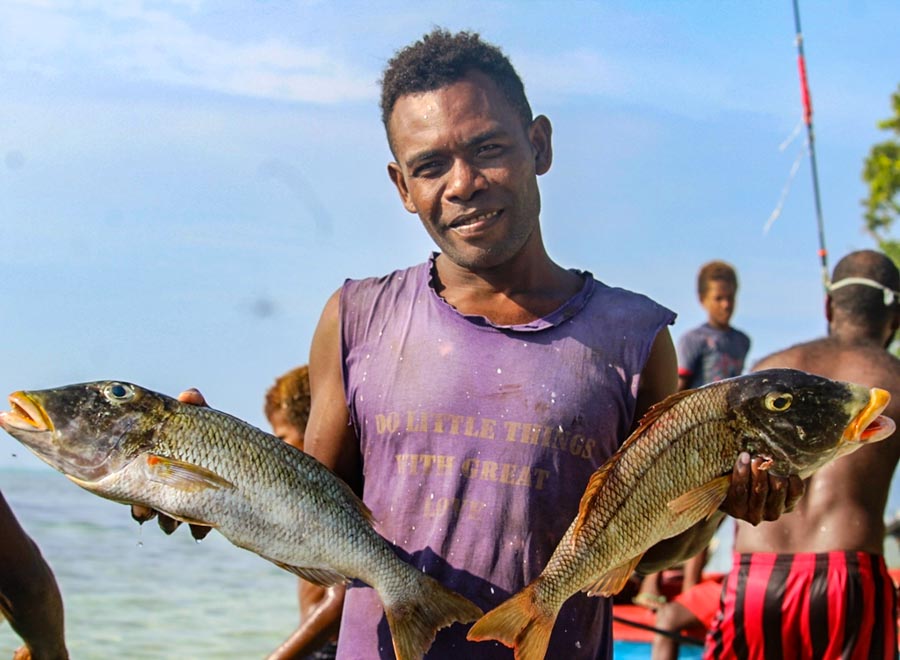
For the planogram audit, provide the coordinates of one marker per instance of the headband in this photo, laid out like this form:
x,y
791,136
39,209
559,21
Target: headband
x,y
890,296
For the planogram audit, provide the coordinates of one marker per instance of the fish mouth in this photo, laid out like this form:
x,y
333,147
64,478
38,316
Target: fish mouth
x,y
870,425
25,415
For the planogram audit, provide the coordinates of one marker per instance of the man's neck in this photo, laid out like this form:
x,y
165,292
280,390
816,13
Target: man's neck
x,y
511,294
857,335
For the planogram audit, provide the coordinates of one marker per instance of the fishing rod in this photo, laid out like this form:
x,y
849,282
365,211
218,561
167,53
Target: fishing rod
x,y
680,638
810,133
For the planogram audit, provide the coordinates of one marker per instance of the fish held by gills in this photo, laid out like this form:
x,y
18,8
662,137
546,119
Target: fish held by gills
x,y
199,465
674,471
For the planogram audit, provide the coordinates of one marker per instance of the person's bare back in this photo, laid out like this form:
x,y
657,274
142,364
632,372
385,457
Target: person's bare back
x,y
843,507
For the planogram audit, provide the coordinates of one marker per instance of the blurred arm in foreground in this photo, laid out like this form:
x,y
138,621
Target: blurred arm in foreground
x,y
29,595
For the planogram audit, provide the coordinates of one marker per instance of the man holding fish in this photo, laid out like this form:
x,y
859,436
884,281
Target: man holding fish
x,y
469,399
813,584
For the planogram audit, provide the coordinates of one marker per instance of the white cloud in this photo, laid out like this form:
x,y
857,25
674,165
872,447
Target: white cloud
x,y
142,41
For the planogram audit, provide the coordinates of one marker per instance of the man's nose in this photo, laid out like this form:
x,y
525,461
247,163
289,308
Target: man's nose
x,y
464,181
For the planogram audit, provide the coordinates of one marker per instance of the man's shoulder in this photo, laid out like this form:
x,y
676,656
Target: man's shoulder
x,y
361,296
797,356
397,274
833,358
399,278
623,302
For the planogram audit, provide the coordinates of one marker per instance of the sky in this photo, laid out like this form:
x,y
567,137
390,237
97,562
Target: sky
x,y
183,183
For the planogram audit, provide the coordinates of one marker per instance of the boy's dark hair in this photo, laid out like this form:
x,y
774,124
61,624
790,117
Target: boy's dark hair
x,y
291,394
441,58
717,271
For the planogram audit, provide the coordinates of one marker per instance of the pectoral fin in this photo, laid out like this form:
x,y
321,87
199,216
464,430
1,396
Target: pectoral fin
x,y
612,582
702,502
183,475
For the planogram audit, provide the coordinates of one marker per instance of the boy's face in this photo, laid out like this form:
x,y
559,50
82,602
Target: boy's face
x,y
283,429
718,301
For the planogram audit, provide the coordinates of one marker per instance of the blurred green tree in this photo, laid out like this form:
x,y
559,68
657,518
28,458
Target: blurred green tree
x,y
881,172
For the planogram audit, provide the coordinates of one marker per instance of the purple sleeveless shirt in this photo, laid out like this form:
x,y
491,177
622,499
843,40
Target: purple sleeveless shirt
x,y
478,441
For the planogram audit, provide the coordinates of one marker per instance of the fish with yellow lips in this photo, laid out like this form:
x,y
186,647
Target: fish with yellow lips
x,y
200,465
674,471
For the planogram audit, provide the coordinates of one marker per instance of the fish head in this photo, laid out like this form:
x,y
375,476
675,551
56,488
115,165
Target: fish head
x,y
804,421
90,430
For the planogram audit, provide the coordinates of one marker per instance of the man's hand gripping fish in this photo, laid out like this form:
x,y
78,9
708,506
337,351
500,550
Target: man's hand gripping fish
x,y
674,471
199,465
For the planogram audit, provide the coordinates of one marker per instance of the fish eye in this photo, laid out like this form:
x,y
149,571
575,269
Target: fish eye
x,y
778,401
118,392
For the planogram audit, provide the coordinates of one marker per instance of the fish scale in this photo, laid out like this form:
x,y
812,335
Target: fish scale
x,y
200,465
637,517
674,471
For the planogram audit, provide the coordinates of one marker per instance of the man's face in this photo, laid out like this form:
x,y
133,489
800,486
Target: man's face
x,y
718,301
468,167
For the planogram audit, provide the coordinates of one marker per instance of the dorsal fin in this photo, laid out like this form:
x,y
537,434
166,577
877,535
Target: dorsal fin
x,y
655,411
592,492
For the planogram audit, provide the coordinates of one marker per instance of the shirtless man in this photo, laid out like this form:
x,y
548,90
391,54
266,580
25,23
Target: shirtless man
x,y
814,582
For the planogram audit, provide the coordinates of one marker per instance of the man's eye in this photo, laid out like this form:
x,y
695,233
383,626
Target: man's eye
x,y
489,150
427,169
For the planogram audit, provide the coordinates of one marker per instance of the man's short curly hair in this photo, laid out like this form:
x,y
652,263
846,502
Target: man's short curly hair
x,y
441,58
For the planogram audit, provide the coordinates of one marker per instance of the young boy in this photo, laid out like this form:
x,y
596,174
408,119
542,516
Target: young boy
x,y
714,350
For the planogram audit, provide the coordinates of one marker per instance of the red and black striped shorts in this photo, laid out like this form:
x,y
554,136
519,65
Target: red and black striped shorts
x,y
806,605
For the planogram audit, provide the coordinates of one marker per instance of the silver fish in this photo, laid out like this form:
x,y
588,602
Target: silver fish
x,y
199,465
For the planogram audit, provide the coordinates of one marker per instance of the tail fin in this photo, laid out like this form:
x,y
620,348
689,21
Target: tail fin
x,y
519,623
414,623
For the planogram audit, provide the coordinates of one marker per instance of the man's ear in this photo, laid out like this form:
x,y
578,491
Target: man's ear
x,y
539,134
396,175
829,310
895,323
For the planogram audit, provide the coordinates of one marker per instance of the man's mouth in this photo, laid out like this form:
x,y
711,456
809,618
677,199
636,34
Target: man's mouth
x,y
474,223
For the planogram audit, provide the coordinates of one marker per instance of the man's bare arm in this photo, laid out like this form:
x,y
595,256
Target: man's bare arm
x,y
29,596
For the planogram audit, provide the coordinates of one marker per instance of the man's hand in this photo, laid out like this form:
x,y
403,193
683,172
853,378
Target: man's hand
x,y
143,513
756,495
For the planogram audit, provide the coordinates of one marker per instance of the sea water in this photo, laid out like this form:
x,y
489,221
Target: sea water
x,y
133,592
